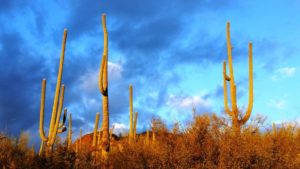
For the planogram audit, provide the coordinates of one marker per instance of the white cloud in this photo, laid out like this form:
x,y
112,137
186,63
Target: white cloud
x,y
89,81
188,102
278,104
287,71
284,72
120,128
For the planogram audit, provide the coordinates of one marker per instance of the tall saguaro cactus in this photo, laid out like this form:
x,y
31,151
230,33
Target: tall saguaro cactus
x,y
130,115
234,112
103,87
57,103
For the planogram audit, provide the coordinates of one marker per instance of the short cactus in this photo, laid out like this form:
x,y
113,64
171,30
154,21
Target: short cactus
x,y
234,112
130,115
70,132
134,125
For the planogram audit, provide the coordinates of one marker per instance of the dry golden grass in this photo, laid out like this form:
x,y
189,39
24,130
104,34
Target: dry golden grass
x,y
207,142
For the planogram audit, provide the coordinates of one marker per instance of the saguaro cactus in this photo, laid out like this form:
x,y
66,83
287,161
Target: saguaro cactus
x,y
95,130
130,115
134,127
57,104
234,112
103,87
70,132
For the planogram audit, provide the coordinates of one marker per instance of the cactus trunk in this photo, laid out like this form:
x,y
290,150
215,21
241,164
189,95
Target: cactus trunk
x,y
234,112
103,87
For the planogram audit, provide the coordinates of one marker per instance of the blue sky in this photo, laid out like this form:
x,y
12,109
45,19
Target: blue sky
x,y
170,51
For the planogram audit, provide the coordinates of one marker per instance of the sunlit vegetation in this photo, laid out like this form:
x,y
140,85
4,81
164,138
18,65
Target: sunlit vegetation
x,y
207,141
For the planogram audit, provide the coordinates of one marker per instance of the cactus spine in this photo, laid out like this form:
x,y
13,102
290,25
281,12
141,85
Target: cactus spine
x,y
134,127
103,87
130,115
70,132
57,104
234,112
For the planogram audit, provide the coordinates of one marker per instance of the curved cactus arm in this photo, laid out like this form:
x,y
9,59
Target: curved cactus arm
x,y
55,129
58,83
101,75
62,124
227,110
42,110
250,103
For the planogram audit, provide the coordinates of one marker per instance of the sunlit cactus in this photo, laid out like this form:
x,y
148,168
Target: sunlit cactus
x,y
103,87
57,104
134,125
95,129
130,115
70,132
234,112
41,148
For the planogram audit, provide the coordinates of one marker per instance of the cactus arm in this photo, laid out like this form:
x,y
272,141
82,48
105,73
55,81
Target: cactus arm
x,y
62,124
55,129
232,84
134,127
250,103
58,83
42,110
103,69
227,110
95,129
130,115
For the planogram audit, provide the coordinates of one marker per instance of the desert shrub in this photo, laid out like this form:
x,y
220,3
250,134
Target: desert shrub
x,y
206,142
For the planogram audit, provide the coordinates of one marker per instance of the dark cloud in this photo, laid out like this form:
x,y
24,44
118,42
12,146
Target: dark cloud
x,y
143,31
20,78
